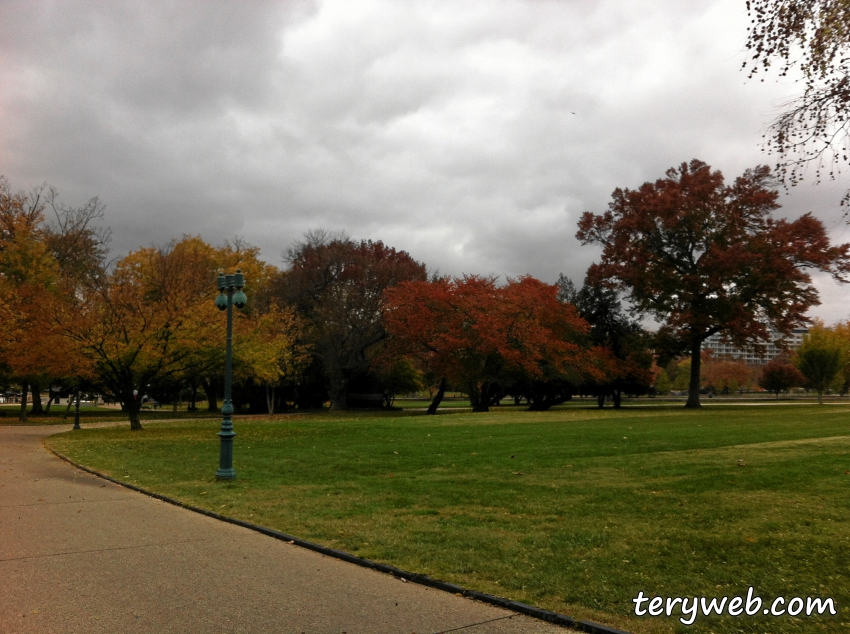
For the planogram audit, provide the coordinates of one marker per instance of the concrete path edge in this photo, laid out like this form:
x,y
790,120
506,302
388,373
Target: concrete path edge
x,y
515,606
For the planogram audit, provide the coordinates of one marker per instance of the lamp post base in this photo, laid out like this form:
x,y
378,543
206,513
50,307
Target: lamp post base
x,y
225,474
225,463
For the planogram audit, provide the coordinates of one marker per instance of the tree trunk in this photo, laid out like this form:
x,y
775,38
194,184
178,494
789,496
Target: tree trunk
x,y
617,396
133,404
37,409
68,409
438,397
211,389
339,400
600,400
193,398
50,397
820,397
270,398
338,392
24,393
693,386
478,397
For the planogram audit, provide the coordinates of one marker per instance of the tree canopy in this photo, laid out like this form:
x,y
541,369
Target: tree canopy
x,y
336,285
779,375
475,333
42,268
812,36
703,257
822,359
629,368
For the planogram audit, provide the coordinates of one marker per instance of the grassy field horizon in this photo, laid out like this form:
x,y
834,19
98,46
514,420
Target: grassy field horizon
x,y
575,510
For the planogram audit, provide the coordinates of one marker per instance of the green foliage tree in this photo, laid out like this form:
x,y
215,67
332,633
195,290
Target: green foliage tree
x,y
663,384
683,375
822,358
398,375
630,370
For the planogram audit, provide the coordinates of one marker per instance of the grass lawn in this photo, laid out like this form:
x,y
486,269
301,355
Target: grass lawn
x,y
575,510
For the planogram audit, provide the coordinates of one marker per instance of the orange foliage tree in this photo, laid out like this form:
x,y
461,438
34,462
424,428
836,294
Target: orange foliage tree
x,y
36,284
472,332
725,375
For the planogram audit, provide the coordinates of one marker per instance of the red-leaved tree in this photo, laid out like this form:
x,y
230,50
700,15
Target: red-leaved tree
x,y
704,257
780,375
471,331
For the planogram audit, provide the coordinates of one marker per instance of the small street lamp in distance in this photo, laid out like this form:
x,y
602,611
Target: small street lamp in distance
x,y
230,295
77,410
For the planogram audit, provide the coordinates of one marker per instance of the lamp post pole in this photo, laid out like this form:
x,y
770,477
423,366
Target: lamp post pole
x,y
77,410
230,295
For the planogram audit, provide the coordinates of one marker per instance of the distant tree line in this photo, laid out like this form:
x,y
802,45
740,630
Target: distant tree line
x,y
357,322
820,365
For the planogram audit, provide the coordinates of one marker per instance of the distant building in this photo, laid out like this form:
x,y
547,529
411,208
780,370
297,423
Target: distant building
x,y
772,350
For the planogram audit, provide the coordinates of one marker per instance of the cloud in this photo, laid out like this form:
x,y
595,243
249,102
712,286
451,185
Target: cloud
x,y
471,134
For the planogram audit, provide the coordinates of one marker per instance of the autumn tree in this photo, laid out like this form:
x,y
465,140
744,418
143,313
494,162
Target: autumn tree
x,y
812,37
140,322
472,332
822,359
841,332
703,257
336,284
204,361
779,375
725,375
268,349
35,282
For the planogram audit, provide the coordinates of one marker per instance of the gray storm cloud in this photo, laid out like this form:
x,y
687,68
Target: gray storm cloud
x,y
471,134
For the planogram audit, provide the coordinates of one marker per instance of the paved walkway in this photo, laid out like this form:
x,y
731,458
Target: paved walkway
x,y
79,554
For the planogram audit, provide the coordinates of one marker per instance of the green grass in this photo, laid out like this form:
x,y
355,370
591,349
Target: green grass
x,y
574,510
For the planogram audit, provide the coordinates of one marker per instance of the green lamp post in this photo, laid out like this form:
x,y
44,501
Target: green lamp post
x,y
230,295
77,410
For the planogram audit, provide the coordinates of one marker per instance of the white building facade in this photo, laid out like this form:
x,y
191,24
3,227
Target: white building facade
x,y
778,345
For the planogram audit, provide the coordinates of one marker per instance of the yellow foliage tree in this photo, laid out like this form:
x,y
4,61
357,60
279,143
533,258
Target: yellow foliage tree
x,y
142,322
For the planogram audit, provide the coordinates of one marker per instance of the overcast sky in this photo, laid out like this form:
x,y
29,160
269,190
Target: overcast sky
x,y
470,134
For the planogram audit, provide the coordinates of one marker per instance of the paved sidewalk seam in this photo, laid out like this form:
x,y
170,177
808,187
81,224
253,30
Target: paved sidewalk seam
x,y
466,627
104,550
45,503
556,618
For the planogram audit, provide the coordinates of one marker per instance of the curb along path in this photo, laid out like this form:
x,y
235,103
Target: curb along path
x,y
82,552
